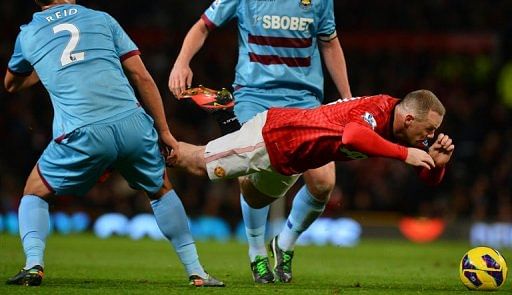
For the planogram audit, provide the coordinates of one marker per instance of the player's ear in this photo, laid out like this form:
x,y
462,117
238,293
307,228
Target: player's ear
x,y
408,120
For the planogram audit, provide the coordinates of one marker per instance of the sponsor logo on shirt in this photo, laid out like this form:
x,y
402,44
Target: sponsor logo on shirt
x,y
284,22
368,118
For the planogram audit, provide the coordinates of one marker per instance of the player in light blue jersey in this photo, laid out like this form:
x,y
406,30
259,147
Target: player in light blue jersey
x,y
281,43
81,56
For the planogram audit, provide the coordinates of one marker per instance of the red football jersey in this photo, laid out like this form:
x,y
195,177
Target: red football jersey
x,y
302,139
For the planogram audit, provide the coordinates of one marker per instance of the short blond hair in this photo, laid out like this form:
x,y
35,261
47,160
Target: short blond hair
x,y
421,102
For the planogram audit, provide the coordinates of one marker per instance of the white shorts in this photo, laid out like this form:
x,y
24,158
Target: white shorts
x,y
244,153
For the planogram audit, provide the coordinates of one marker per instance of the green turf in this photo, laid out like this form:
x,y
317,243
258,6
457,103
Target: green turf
x,y
84,264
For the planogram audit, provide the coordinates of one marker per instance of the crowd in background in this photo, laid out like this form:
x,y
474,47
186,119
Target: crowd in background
x,y
455,48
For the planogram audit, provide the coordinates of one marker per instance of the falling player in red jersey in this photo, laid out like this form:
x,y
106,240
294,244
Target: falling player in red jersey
x,y
289,141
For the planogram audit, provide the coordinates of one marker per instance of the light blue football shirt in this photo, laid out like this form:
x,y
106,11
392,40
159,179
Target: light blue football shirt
x,y
277,40
77,53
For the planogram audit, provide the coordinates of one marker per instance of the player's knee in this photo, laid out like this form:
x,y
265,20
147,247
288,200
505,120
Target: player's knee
x,y
36,186
321,189
43,193
164,189
321,182
256,202
160,193
252,196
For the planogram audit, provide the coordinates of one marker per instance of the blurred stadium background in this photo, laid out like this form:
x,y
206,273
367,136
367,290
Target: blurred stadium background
x,y
462,50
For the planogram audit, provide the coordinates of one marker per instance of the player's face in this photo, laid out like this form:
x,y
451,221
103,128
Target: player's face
x,y
421,129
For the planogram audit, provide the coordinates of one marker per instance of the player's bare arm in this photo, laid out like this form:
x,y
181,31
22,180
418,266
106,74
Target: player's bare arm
x,y
334,60
14,83
367,141
181,74
441,150
189,157
142,80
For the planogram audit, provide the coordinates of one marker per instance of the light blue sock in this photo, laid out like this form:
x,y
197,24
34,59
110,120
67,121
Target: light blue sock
x,y
34,223
255,221
173,222
305,210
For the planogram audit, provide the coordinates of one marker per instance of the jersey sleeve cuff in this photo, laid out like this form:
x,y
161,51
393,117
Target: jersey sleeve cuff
x,y
327,37
20,74
209,24
129,54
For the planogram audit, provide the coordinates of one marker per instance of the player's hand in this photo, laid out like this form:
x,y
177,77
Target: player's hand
x,y
419,158
167,144
180,79
441,150
171,158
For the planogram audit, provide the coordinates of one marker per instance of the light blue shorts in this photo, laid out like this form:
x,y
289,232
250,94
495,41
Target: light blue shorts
x,y
129,145
251,101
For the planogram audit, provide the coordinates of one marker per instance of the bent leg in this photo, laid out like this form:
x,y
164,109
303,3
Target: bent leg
x,y
34,219
308,204
254,205
258,191
172,220
255,216
68,166
142,165
255,221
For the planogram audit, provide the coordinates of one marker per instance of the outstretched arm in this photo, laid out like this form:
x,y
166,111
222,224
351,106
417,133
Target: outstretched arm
x,y
181,74
367,141
14,83
189,157
148,91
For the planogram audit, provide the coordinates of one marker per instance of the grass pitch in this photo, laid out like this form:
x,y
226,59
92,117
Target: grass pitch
x,y
84,264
